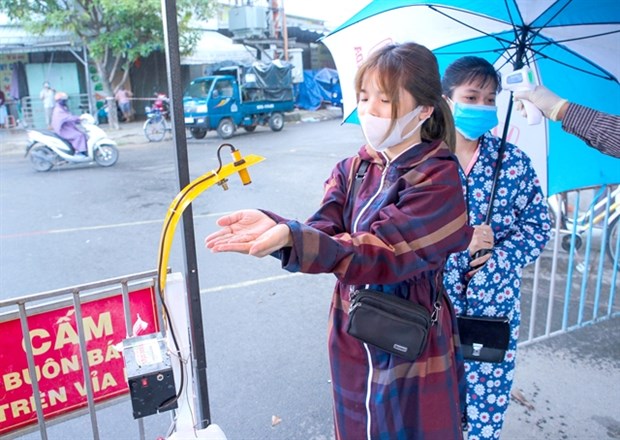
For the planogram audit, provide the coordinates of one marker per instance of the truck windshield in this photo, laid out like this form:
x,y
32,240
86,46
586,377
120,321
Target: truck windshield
x,y
199,89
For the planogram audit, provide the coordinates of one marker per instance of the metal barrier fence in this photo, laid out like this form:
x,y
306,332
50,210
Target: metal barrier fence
x,y
26,307
575,281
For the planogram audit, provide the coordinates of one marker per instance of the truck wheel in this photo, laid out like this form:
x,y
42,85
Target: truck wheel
x,y
198,133
226,128
276,121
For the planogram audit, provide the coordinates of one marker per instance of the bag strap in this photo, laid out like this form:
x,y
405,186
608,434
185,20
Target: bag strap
x,y
357,179
436,299
353,190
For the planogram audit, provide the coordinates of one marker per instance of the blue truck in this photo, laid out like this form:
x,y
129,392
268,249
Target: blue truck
x,y
239,96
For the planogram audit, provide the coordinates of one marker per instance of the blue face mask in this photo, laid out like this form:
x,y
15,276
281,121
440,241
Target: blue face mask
x,y
472,120
62,102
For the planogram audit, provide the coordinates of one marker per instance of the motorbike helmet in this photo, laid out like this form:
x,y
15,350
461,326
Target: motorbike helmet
x,y
61,98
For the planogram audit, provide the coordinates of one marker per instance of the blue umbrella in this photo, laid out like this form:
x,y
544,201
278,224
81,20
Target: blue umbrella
x,y
571,46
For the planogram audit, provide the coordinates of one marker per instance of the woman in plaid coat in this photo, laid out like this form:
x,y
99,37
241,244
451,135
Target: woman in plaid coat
x,y
394,236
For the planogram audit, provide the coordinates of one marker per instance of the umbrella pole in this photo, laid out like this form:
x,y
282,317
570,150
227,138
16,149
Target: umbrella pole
x,y
500,153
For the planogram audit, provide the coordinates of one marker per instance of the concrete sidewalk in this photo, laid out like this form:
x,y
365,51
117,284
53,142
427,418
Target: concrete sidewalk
x,y
568,387
14,140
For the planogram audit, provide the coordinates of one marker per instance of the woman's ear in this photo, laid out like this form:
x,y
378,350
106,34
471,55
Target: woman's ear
x,y
427,111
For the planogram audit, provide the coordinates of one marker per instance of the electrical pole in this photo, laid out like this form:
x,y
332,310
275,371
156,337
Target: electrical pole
x,y
284,33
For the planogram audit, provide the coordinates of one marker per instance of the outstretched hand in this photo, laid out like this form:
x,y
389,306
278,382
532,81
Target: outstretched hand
x,y
238,231
248,232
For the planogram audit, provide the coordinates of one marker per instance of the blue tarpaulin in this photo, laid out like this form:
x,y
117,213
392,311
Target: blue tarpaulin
x,y
319,86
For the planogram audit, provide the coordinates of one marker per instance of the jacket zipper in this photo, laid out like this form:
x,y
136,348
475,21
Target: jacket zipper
x,y
370,366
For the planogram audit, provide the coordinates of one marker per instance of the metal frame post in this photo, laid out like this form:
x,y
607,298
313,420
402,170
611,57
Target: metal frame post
x,y
196,329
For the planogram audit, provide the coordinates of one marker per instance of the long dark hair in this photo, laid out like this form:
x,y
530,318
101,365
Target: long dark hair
x,y
414,68
468,69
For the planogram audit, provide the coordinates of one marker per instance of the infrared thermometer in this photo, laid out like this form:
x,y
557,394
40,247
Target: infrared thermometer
x,y
521,80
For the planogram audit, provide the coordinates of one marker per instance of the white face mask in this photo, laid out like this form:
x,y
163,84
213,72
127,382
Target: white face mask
x,y
375,129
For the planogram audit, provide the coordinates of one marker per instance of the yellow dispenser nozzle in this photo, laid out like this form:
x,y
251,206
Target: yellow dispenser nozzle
x,y
239,161
188,194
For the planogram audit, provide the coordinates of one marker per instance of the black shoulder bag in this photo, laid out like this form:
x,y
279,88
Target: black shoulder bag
x,y
387,322
483,338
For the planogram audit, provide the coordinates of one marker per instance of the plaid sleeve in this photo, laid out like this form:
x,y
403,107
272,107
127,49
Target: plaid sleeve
x,y
406,238
597,129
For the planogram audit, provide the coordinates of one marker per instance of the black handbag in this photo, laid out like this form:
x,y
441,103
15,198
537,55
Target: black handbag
x,y
484,339
390,323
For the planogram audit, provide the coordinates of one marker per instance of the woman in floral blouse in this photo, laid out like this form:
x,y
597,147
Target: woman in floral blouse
x,y
518,231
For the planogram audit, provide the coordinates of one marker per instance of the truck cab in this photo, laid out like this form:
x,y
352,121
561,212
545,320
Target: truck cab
x,y
207,101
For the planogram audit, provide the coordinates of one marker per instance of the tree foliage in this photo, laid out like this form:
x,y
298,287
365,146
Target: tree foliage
x,y
116,32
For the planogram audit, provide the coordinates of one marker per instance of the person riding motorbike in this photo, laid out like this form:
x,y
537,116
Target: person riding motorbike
x,y
65,124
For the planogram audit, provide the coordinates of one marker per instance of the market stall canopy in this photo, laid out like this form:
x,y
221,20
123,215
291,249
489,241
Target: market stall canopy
x,y
15,39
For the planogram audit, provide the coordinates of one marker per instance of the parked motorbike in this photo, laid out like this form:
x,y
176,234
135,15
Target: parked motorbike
x,y
155,127
46,149
161,104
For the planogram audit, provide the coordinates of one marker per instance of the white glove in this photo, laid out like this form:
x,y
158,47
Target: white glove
x,y
548,102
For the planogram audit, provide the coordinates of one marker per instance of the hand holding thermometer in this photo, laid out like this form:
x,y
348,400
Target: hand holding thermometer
x,y
523,79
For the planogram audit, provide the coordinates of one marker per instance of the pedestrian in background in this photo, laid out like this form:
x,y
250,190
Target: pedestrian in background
x,y
519,229
392,236
4,115
123,96
47,96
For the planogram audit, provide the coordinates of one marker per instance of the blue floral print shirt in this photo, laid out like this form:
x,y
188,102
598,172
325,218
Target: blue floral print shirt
x,y
521,228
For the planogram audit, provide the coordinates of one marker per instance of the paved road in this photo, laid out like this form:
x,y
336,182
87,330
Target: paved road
x,y
265,329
